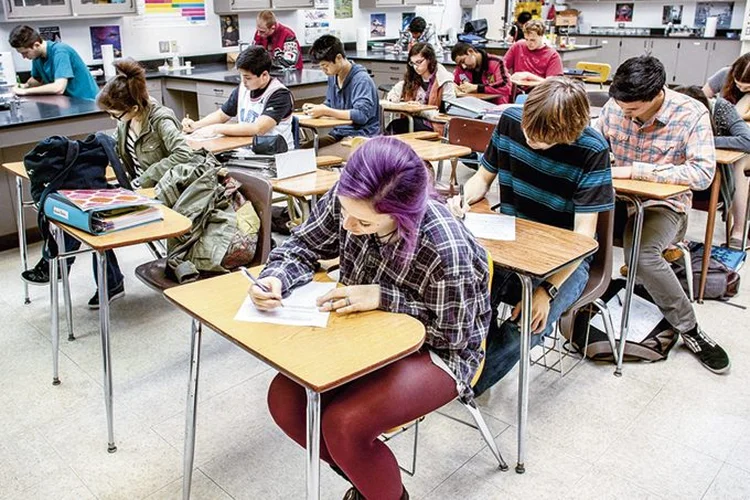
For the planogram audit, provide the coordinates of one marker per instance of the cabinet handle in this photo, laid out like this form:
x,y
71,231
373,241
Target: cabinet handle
x,y
604,42
714,49
219,91
397,68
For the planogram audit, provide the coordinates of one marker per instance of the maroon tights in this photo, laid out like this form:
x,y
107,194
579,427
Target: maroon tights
x,y
355,414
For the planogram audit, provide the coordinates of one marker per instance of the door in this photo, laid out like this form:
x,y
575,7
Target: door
x,y
665,50
692,62
42,9
722,53
103,7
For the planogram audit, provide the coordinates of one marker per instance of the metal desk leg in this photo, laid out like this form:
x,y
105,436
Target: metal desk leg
x,y
55,320
709,237
439,173
107,359
63,263
411,122
745,227
192,406
21,225
313,445
315,141
523,372
630,285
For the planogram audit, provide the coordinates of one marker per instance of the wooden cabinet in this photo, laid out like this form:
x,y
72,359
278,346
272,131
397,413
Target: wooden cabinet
x,y
16,10
103,8
230,6
692,62
721,53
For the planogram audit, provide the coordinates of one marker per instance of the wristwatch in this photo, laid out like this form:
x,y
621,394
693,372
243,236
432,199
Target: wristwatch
x,y
550,289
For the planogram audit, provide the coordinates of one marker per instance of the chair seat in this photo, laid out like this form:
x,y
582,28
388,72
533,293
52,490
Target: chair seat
x,y
154,274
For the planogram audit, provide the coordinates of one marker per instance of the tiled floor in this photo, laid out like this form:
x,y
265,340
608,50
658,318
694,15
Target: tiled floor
x,y
667,430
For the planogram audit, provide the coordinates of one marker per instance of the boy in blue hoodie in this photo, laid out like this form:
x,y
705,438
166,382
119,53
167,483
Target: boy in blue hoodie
x,y
351,95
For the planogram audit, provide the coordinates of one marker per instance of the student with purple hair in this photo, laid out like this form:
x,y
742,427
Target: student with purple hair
x,y
401,251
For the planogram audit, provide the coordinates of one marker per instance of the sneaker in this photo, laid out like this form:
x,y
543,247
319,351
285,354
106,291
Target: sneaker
x,y
39,275
710,354
114,294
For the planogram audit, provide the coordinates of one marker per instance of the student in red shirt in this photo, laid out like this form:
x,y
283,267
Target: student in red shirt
x,y
478,71
279,40
530,60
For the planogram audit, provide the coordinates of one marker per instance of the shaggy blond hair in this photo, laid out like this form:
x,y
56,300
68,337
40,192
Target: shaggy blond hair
x,y
556,112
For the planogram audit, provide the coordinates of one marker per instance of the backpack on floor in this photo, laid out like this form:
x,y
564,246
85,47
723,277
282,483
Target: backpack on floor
x,y
722,282
654,347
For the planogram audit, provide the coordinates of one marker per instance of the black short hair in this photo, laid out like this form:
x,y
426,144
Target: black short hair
x,y
326,48
24,37
460,49
638,79
254,59
417,25
524,17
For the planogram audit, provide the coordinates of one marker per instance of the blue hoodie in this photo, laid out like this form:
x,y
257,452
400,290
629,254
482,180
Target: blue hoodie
x,y
360,96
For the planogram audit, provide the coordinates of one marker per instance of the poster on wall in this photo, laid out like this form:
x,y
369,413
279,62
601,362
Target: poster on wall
x,y
377,25
722,10
166,13
317,24
342,9
105,35
624,12
671,14
50,33
406,18
230,30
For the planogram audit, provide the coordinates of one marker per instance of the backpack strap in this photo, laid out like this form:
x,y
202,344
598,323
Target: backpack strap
x,y
107,143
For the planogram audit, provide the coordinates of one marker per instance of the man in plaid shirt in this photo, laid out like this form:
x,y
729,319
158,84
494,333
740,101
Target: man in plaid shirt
x,y
659,135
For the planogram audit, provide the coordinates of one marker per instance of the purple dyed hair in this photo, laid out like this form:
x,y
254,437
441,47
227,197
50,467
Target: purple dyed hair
x,y
388,173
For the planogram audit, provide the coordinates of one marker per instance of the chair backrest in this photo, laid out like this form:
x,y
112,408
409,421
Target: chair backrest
x,y
295,131
259,191
603,69
597,98
474,134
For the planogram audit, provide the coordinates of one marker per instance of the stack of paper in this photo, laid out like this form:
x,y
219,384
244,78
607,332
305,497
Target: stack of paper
x,y
300,308
491,226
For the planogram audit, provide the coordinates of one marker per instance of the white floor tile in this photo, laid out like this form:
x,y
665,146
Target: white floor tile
x,y
730,483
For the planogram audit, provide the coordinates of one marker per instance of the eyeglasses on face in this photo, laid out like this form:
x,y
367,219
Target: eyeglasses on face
x,y
116,116
416,63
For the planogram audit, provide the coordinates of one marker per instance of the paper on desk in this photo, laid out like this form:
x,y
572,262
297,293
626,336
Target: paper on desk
x,y
491,226
644,316
299,308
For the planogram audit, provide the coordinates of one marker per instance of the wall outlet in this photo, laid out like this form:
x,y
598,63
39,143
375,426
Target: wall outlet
x,y
173,45
163,47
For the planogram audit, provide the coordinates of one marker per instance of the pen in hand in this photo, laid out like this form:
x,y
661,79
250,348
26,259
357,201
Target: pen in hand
x,y
252,279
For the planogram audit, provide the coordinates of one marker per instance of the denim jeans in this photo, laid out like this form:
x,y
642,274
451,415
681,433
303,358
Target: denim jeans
x,y
114,276
504,341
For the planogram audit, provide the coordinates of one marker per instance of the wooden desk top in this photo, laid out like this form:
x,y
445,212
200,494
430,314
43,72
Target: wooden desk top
x,y
434,151
727,156
406,107
18,169
648,190
325,122
173,224
477,95
539,250
328,161
318,358
221,144
424,135
314,183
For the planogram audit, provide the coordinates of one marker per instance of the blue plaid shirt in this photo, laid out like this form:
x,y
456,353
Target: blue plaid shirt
x,y
444,283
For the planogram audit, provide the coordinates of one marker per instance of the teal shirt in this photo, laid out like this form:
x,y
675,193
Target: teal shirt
x,y
63,61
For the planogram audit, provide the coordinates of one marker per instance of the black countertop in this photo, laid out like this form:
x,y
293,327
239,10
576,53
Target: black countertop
x,y
224,73
659,36
38,109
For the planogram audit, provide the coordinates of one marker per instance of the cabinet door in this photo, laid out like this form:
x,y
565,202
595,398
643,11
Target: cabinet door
x,y
293,4
236,5
208,104
609,53
692,61
633,47
665,50
389,3
103,7
722,54
24,9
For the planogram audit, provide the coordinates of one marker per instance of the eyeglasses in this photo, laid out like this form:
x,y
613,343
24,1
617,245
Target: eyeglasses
x,y
117,117
414,64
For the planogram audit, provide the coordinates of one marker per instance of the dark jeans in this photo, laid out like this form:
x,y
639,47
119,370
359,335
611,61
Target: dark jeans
x,y
504,341
114,276
401,126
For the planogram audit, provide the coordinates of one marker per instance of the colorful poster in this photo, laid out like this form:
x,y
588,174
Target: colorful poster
x,y
377,25
230,30
164,13
50,33
342,9
671,14
105,35
406,18
317,24
624,12
722,10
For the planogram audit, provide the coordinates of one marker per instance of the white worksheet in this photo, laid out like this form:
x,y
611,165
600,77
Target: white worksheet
x,y
491,226
644,316
299,308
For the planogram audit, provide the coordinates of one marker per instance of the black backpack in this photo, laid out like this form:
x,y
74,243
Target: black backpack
x,y
61,163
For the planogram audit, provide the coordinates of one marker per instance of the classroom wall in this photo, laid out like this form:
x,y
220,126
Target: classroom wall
x,y
142,43
646,14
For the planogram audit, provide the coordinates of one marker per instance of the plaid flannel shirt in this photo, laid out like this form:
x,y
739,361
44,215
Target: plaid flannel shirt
x,y
443,283
675,147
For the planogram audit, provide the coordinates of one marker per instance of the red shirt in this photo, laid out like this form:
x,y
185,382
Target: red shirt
x,y
282,46
544,61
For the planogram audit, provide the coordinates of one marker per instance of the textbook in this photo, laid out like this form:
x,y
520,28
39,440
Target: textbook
x,y
468,107
101,211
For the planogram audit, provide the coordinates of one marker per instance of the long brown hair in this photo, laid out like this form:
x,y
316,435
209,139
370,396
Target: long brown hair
x,y
740,72
126,89
412,80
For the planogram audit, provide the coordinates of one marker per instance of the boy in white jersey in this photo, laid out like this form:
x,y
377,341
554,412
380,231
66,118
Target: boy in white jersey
x,y
261,103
